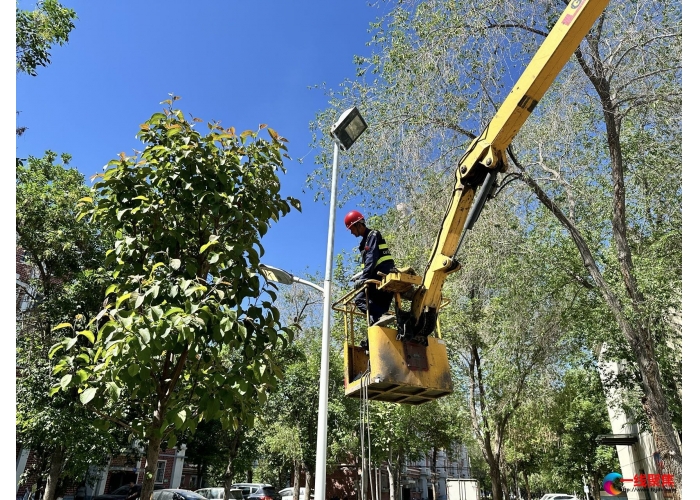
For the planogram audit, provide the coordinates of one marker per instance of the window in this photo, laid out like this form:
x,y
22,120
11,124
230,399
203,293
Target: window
x,y
160,472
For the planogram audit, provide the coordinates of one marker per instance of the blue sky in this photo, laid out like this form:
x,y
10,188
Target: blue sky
x,y
240,63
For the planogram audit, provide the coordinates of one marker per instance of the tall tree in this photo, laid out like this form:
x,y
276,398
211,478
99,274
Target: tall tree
x,y
438,73
187,332
63,256
578,417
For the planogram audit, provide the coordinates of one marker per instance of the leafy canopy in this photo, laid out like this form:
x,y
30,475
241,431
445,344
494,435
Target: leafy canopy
x,y
185,333
37,30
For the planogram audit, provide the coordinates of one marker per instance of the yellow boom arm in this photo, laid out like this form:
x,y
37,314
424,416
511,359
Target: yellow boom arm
x,y
485,156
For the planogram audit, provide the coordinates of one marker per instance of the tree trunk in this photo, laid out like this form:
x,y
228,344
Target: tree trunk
x,y
504,478
433,472
668,466
307,482
151,466
234,441
364,484
638,336
527,485
640,342
496,489
390,464
55,466
392,484
593,486
297,479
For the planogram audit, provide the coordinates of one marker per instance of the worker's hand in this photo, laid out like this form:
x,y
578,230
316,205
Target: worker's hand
x,y
359,284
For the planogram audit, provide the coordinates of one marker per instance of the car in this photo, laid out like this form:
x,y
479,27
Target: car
x,y
176,494
257,491
120,493
558,496
218,493
288,493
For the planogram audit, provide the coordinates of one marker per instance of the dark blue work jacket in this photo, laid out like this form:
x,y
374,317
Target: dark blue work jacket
x,y
375,255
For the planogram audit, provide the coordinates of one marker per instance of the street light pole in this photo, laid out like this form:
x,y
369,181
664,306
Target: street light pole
x,y
322,427
344,132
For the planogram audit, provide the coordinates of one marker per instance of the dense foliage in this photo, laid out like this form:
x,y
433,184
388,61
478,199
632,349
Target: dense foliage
x,y
186,332
64,283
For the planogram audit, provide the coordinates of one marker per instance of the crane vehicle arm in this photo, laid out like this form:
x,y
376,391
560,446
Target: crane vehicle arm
x,y
477,169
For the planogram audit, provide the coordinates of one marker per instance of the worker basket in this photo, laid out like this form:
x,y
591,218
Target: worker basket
x,y
389,369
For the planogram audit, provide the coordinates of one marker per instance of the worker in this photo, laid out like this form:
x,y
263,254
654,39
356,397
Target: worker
x,y
376,259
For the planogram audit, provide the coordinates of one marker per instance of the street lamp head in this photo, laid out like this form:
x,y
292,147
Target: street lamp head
x,y
348,128
274,274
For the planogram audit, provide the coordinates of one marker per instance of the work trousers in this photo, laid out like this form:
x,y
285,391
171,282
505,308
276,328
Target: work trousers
x,y
379,302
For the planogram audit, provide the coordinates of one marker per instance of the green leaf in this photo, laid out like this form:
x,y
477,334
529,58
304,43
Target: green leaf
x,y
180,418
87,395
156,118
203,248
66,380
62,325
145,335
113,390
55,349
123,298
175,263
172,310
70,342
88,335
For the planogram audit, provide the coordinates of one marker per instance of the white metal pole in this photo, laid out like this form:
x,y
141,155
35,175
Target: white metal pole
x,y
322,437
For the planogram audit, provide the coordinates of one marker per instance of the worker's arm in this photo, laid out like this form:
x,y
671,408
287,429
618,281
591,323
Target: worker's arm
x,y
371,256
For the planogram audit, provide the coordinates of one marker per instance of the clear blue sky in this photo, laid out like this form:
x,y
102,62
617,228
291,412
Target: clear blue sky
x,y
241,63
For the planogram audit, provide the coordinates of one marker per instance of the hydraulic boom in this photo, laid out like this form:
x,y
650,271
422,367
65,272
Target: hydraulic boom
x,y
485,157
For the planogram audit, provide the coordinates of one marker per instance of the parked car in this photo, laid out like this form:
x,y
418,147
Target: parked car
x,y
218,493
121,493
257,491
288,493
176,494
558,496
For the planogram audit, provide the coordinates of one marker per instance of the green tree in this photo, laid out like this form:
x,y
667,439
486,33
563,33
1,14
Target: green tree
x,y
37,31
205,449
63,255
580,414
590,155
291,432
186,333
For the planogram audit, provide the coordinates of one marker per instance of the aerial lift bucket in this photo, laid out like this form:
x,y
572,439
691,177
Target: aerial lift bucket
x,y
389,369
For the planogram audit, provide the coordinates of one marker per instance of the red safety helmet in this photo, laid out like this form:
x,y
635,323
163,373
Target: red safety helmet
x,y
353,217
